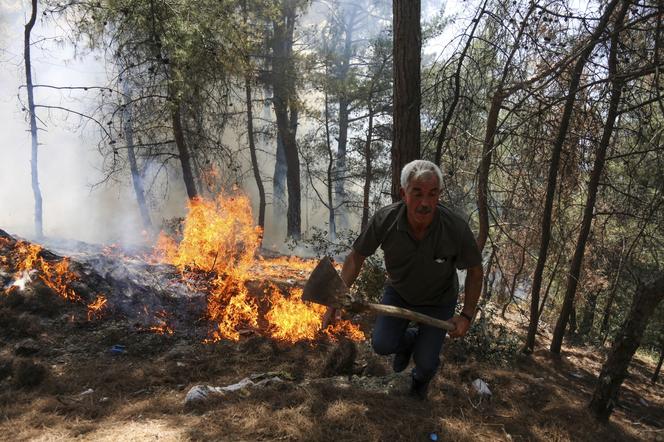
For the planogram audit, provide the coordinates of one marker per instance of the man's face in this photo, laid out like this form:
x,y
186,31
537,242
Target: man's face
x,y
421,197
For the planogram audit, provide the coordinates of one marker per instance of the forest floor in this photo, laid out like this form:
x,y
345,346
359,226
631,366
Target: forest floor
x,y
59,380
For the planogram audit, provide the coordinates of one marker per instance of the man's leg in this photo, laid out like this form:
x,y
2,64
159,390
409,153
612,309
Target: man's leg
x,y
391,335
426,352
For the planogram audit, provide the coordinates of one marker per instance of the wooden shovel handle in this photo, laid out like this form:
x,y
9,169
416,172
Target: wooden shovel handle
x,y
391,310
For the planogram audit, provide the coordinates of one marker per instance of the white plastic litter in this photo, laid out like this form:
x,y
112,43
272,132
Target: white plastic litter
x,y
202,392
481,387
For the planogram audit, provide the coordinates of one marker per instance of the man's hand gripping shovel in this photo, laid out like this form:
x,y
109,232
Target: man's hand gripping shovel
x,y
326,287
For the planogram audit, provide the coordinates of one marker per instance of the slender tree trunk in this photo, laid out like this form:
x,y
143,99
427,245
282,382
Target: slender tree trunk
x,y
344,104
279,203
34,163
283,82
614,370
600,157
136,178
330,173
368,171
485,165
183,152
553,174
407,44
252,152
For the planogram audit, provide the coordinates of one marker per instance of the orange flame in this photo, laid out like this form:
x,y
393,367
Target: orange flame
x,y
219,236
345,328
57,275
291,319
97,307
288,266
220,240
59,278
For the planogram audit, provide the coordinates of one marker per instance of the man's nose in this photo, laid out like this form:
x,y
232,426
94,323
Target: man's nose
x,y
429,201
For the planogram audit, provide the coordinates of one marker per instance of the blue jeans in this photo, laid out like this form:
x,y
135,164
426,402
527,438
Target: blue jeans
x,y
392,335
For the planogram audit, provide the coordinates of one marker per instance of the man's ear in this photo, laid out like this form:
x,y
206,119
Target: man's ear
x,y
402,192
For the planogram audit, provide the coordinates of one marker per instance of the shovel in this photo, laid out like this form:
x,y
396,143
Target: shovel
x,y
326,287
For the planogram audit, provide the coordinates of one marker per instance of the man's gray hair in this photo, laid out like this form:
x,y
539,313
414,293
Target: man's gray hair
x,y
417,169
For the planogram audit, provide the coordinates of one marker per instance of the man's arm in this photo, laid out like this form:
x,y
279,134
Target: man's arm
x,y
349,271
351,268
473,289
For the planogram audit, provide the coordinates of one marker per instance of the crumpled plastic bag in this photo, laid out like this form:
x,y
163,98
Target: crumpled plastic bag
x,y
202,392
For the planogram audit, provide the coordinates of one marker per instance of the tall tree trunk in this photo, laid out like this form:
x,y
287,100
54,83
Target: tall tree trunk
x,y
344,104
332,234
485,165
407,44
283,83
279,203
183,151
368,170
600,157
628,340
136,178
553,174
34,169
252,152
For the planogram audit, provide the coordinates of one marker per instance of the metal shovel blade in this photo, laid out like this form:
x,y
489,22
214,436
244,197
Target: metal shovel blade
x,y
325,286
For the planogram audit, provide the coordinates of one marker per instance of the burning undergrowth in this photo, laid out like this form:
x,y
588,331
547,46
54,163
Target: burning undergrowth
x,y
208,281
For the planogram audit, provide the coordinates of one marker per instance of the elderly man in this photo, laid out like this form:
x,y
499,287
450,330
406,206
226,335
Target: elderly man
x,y
424,243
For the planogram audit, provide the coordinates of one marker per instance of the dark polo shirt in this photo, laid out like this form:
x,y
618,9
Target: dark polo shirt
x,y
422,272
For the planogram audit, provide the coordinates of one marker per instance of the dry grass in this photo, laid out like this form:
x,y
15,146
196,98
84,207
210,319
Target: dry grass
x,y
139,395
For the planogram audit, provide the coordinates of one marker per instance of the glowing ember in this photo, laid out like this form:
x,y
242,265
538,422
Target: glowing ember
x,y
162,327
97,307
